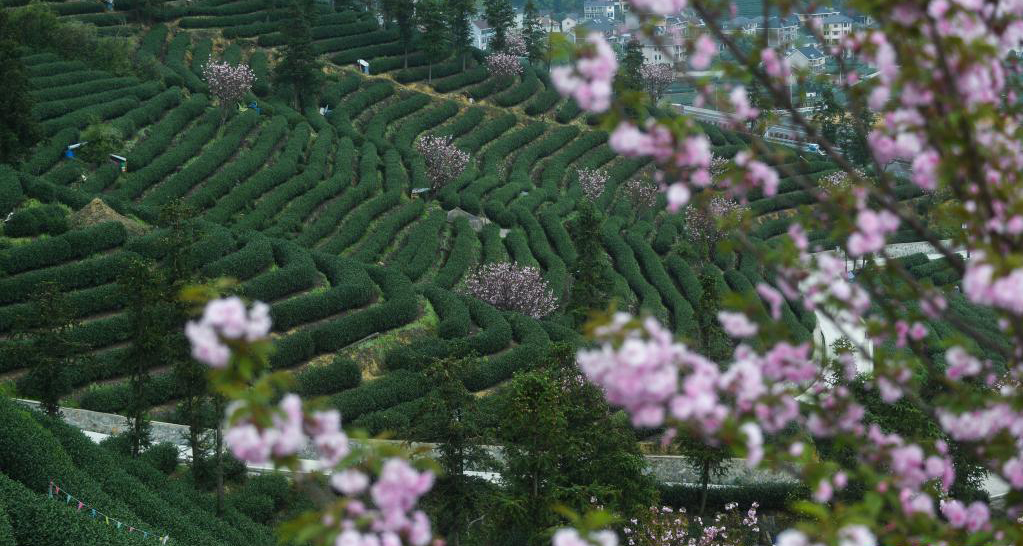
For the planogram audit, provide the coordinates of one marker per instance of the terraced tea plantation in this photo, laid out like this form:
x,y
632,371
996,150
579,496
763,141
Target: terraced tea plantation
x,y
314,214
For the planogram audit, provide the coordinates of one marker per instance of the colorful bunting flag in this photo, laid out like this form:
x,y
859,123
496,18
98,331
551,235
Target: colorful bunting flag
x,y
52,489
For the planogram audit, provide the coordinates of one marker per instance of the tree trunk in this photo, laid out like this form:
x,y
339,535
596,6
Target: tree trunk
x,y
705,479
429,73
406,55
220,458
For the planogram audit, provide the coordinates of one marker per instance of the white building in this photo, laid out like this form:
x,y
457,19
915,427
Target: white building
x,y
593,9
836,27
807,58
482,33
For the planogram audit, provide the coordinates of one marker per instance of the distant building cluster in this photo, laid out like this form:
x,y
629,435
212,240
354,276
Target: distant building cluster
x,y
613,19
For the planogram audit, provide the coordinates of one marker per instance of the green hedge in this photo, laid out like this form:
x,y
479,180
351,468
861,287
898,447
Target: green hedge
x,y
76,90
62,248
162,134
189,145
683,317
460,80
454,315
625,262
11,192
85,116
420,249
387,391
241,168
356,222
290,221
529,85
62,107
327,221
204,164
49,219
469,120
462,254
275,200
149,112
320,380
264,180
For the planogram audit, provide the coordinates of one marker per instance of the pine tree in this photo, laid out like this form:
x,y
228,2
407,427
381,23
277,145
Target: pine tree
x,y
563,445
459,12
152,327
450,418
532,34
43,344
18,128
628,78
591,287
435,38
300,68
404,14
501,17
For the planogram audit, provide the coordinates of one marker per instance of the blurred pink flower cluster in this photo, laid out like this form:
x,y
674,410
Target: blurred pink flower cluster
x,y
224,321
589,80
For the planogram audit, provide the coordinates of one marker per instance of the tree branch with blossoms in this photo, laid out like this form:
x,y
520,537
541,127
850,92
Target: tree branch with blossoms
x,y
372,491
950,110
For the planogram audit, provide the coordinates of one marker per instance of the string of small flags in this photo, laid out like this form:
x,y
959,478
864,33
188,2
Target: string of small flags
x,y
55,492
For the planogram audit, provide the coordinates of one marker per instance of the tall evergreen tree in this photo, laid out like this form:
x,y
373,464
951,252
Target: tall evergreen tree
x,y
189,374
628,78
591,287
532,33
501,17
435,38
43,344
450,418
300,69
459,12
563,445
404,14
18,128
153,326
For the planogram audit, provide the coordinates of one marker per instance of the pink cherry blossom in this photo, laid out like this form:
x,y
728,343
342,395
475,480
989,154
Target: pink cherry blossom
x,y
736,324
705,50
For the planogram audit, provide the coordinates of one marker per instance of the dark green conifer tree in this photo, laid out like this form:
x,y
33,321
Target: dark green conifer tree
x,y
436,37
300,70
459,12
501,17
18,128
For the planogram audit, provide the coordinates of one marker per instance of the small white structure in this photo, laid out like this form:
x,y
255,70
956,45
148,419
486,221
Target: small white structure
x,y
363,66
807,58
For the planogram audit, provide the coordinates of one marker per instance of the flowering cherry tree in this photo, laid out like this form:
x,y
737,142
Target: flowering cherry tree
x,y
592,181
512,287
444,161
515,44
702,222
229,83
656,78
373,492
665,525
947,93
504,65
642,192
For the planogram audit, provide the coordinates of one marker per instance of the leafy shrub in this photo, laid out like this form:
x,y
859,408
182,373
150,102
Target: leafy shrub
x,y
340,374
162,456
11,193
49,219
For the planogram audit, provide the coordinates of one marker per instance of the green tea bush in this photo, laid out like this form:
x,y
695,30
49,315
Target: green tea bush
x,y
49,219
62,248
340,374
